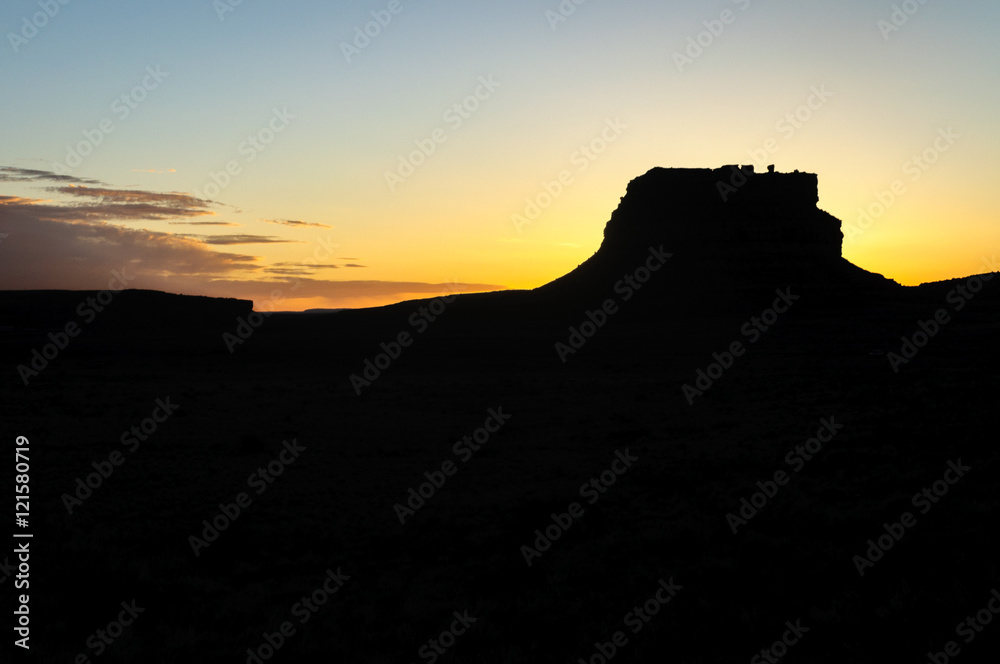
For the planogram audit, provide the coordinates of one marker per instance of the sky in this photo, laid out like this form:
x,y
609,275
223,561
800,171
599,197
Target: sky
x,y
310,154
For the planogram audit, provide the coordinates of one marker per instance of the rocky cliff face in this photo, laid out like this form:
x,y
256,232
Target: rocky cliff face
x,y
728,228
726,212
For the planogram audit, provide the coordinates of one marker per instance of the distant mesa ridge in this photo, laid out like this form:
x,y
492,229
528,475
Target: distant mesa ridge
x,y
133,308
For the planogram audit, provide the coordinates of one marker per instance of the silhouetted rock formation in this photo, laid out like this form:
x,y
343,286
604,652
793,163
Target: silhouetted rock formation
x,y
728,228
771,216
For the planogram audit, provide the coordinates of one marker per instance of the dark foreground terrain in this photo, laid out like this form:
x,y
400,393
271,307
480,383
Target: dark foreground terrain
x,y
838,553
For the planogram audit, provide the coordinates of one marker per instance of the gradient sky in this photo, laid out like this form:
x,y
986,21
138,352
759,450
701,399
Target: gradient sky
x,y
315,204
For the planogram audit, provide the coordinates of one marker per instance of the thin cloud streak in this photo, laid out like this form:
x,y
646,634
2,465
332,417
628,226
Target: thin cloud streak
x,y
201,223
294,222
11,174
242,239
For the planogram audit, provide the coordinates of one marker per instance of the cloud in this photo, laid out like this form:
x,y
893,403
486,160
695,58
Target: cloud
x,y
103,204
45,252
201,223
241,239
51,246
10,174
17,200
153,170
108,195
302,269
294,222
307,265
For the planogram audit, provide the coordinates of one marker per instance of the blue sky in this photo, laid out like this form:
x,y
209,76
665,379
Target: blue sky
x,y
558,84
